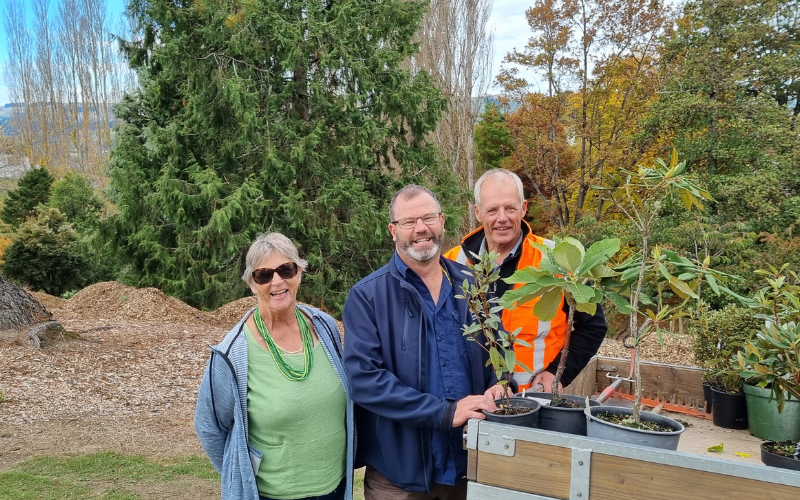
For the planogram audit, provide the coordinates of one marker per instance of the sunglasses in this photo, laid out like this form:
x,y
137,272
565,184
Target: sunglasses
x,y
285,271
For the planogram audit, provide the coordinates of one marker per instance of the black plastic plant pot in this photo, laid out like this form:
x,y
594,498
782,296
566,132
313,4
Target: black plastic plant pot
x,y
529,419
566,420
599,428
775,460
708,395
730,410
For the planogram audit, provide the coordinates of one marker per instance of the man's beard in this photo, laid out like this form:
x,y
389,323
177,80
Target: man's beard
x,y
406,247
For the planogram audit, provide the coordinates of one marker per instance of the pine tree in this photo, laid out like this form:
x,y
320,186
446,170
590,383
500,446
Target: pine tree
x,y
33,188
258,116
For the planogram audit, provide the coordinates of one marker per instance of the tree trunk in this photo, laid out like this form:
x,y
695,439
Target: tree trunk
x,y
21,312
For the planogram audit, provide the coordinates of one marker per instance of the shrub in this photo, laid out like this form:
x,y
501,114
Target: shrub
x,y
719,334
74,197
33,189
43,254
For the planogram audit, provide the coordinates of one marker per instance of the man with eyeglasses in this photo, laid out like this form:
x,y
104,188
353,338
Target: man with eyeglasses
x,y
414,378
500,207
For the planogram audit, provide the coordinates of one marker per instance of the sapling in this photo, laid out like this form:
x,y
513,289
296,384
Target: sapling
x,y
486,329
585,281
565,271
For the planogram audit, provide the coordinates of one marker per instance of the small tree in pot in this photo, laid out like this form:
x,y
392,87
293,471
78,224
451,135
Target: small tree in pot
x,y
566,270
640,196
486,329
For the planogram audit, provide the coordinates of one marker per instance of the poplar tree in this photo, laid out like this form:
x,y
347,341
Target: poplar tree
x,y
257,116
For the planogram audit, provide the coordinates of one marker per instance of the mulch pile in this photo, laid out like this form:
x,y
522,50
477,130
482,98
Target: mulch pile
x,y
114,301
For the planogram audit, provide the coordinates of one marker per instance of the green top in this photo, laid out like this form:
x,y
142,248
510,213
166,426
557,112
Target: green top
x,y
298,426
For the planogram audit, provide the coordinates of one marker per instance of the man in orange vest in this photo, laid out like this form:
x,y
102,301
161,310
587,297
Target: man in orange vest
x,y
500,206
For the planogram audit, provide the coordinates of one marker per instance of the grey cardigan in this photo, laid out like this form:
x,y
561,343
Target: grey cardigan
x,y
221,415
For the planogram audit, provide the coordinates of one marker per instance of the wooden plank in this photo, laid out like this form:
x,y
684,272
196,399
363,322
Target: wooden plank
x,y
614,477
472,465
669,383
534,468
585,383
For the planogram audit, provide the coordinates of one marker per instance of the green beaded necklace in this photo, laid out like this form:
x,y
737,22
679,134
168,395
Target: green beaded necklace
x,y
305,333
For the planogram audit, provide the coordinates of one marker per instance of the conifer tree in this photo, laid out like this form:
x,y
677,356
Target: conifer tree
x,y
257,116
33,188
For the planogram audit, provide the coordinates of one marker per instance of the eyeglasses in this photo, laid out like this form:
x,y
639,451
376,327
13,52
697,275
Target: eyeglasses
x,y
428,219
285,271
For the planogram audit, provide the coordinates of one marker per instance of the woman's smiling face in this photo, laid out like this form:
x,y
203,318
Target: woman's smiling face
x,y
279,295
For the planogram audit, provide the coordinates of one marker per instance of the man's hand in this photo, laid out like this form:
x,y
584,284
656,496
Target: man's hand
x,y
546,379
496,391
470,407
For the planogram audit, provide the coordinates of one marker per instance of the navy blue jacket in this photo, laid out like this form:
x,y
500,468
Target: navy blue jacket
x,y
386,358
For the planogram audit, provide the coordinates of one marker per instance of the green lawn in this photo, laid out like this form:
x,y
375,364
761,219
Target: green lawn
x,y
112,476
108,476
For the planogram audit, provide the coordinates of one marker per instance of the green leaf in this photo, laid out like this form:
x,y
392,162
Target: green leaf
x,y
524,294
581,293
712,282
602,271
716,448
589,308
663,269
568,256
494,357
548,305
681,288
577,244
521,342
511,360
598,254
622,305
526,275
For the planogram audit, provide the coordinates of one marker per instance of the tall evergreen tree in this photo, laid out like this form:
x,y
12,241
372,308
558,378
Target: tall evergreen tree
x,y
257,116
492,140
33,188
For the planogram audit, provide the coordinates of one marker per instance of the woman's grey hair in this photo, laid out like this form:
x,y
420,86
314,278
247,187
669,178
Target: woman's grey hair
x,y
408,192
497,172
263,247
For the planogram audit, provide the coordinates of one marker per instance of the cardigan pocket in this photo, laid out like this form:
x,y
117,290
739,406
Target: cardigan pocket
x,y
255,458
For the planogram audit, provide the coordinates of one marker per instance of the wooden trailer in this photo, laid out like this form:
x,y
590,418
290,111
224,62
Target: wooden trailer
x,y
516,463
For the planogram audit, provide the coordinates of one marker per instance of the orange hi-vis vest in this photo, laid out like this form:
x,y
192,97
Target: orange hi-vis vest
x,y
545,337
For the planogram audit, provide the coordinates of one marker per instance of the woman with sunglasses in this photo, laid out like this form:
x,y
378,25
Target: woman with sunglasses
x,y
273,413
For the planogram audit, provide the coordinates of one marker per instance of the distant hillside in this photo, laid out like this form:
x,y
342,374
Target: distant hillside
x,y
7,114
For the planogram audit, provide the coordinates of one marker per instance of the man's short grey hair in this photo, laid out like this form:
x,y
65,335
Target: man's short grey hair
x,y
408,192
263,248
498,172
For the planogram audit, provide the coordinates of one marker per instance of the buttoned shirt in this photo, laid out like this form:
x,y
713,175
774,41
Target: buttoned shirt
x,y
448,369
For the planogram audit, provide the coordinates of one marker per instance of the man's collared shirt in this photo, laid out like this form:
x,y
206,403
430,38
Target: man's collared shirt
x,y
448,369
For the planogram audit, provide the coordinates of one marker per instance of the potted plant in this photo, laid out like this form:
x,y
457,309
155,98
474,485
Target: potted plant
x,y
772,360
770,363
567,270
487,332
717,336
673,279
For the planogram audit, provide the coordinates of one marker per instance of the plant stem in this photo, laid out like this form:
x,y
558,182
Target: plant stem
x,y
562,363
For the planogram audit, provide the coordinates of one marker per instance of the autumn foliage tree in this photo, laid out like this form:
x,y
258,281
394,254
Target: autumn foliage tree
x,y
599,63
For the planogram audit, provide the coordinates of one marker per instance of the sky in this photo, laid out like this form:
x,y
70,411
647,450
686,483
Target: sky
x,y
507,21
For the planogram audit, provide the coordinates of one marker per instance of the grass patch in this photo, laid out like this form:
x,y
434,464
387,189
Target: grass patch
x,y
107,476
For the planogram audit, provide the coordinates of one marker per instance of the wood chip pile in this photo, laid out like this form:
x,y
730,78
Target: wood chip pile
x,y
675,351
138,352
